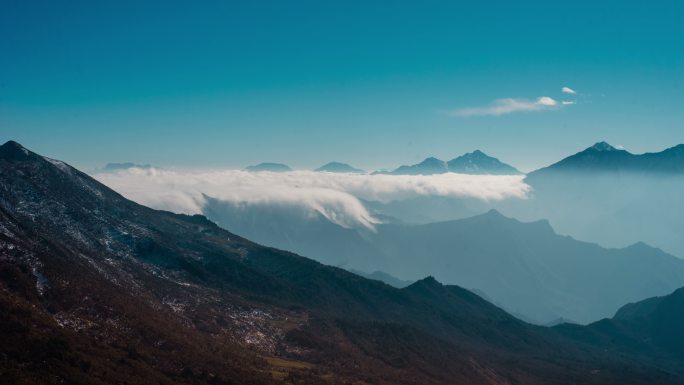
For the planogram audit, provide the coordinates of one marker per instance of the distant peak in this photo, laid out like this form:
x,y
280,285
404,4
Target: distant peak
x,y
474,154
494,213
432,159
339,167
12,150
12,145
477,162
602,146
429,281
641,246
269,166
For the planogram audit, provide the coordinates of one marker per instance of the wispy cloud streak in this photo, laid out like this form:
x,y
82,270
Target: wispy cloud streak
x,y
507,106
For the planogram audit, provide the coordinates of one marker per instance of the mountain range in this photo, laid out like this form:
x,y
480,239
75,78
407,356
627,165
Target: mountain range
x,y
526,268
608,195
604,158
475,162
98,289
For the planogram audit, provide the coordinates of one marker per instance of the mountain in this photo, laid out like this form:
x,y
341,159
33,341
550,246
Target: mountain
x,y
294,228
657,320
266,166
427,209
652,327
477,162
96,289
428,166
602,157
608,195
527,268
339,168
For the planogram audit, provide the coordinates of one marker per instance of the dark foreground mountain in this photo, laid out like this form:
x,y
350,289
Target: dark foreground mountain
x,y
96,289
653,325
476,162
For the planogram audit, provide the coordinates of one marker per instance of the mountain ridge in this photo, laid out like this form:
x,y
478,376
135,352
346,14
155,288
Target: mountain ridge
x,y
125,293
602,157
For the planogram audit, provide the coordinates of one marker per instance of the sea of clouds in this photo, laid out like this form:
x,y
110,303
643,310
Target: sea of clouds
x,y
335,196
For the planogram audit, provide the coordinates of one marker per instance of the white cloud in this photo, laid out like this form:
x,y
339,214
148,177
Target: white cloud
x,y
507,106
567,103
568,90
336,196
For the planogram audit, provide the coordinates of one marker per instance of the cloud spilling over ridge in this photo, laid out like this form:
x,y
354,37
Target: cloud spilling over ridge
x,y
335,196
507,106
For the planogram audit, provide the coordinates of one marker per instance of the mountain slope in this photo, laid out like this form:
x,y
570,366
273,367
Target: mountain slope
x,y
652,327
98,289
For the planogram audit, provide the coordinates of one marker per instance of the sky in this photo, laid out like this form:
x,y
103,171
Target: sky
x,y
231,83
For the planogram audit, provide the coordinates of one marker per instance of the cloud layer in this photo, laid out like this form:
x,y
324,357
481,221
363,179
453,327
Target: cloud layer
x,y
507,106
336,196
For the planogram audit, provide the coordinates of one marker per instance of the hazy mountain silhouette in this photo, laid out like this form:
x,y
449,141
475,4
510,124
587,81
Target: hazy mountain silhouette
x,y
267,166
607,195
339,167
525,267
475,162
604,158
429,166
297,229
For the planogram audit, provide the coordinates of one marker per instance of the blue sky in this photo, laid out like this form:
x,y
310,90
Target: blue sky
x,y
230,84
